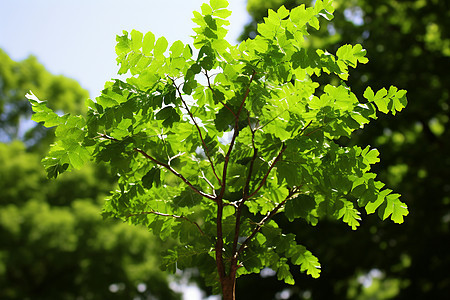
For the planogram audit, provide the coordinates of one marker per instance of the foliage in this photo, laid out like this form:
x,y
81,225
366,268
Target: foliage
x,y
54,237
209,147
55,244
408,46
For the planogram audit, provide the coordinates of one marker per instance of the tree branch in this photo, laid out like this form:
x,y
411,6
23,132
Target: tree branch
x,y
245,193
168,215
168,167
265,219
219,198
235,134
199,131
304,128
175,173
268,172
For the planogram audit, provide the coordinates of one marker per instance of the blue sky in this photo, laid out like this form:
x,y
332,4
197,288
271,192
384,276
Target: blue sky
x,y
77,38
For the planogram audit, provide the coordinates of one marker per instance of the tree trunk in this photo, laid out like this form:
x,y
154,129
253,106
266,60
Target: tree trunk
x,y
228,287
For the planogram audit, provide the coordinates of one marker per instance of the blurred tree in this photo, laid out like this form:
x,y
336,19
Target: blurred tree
x,y
16,79
53,241
408,45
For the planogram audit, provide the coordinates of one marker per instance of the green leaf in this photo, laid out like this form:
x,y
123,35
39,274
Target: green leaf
x,y
206,9
176,49
349,214
53,167
187,198
381,101
371,157
368,94
148,43
136,40
314,22
284,274
393,207
282,12
160,46
218,4
308,262
43,114
299,207
222,13
153,177
169,115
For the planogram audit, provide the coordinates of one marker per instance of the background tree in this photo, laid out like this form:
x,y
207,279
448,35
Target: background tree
x,y
53,241
210,147
408,43
16,79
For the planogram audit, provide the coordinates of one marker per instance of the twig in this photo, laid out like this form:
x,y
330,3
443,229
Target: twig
x,y
219,198
268,172
245,192
209,183
235,134
175,173
265,219
304,128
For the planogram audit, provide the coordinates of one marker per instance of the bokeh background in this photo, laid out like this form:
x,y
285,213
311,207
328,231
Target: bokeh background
x,y
53,242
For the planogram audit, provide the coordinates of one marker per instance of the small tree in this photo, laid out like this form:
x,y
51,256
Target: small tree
x,y
208,148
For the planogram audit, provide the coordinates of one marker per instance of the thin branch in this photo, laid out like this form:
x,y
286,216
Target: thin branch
x,y
245,192
209,183
235,134
175,173
268,172
265,219
255,155
317,129
168,215
199,132
168,167
105,136
219,198
304,128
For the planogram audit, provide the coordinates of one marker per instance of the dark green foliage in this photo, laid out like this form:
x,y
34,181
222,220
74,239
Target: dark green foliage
x,y
408,44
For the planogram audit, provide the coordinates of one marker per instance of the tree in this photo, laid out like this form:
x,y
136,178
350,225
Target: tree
x,y
16,79
408,46
208,149
54,243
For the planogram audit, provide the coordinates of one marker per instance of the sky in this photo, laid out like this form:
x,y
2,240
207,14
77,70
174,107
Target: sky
x,y
77,38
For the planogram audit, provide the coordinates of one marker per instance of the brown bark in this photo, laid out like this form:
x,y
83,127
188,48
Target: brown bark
x,y
229,285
